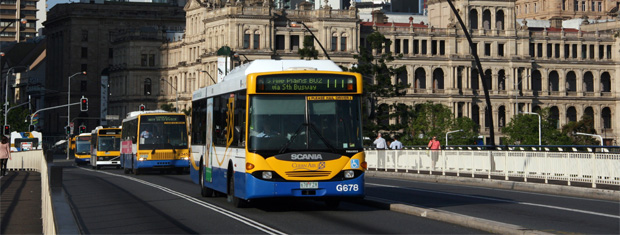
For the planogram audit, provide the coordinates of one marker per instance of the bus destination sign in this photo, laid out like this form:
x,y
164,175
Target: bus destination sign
x,y
306,83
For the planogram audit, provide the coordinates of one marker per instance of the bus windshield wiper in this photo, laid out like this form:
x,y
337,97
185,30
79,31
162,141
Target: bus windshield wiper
x,y
323,138
293,137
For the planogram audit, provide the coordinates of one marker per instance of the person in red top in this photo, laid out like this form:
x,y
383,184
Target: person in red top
x,y
5,154
434,145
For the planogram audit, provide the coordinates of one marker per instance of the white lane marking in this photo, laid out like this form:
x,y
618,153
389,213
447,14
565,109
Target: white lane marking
x,y
230,214
501,200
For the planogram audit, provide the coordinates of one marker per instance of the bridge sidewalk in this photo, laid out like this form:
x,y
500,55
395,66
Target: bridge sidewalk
x,y
20,200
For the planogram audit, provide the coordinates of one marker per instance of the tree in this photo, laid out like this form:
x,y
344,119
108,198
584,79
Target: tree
x,y
168,107
523,130
16,117
585,125
378,87
308,51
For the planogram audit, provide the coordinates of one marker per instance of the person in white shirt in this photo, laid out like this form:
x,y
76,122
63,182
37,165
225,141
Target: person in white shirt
x,y
396,144
380,142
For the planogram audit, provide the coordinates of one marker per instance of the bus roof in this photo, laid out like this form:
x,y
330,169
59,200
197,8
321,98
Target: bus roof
x,y
261,66
135,114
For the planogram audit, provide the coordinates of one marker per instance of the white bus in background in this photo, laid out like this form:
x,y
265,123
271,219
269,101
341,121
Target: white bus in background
x,y
26,141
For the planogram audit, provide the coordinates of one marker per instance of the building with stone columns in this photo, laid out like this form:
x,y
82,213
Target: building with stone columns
x,y
572,72
567,9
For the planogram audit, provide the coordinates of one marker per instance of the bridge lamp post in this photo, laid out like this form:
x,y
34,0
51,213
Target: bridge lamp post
x,y
69,109
176,91
539,126
450,132
593,135
6,90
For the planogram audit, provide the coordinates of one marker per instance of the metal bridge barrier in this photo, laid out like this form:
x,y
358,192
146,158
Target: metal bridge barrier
x,y
587,167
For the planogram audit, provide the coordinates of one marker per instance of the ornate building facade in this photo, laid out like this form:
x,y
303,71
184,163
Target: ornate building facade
x,y
566,9
571,72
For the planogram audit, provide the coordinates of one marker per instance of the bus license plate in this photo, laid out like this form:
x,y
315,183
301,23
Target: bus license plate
x,y
309,185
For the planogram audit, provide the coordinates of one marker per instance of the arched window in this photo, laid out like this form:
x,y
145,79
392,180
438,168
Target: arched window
x,y
499,20
606,115
475,114
474,79
256,41
501,80
147,86
554,116
536,82
588,82
554,81
486,19
438,79
246,39
571,114
334,41
589,111
571,81
343,42
473,19
488,78
501,119
605,82
420,78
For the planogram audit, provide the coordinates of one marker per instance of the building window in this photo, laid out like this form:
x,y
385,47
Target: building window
x,y
416,47
256,40
84,52
424,47
343,43
334,42
151,60
406,46
294,42
433,47
246,40
84,35
487,49
557,50
279,42
143,59
397,46
147,86
442,47
608,51
110,53
584,51
500,49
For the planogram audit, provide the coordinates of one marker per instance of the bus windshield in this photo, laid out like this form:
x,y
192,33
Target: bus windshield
x,y
109,143
82,145
163,132
302,123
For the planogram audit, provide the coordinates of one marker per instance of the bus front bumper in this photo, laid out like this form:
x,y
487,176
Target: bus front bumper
x,y
257,188
163,164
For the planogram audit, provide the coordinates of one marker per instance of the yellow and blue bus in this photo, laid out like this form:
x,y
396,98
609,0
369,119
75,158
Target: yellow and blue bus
x,y
105,147
82,148
280,128
154,140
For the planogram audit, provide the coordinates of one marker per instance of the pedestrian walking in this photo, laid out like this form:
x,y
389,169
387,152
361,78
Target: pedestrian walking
x,y
434,145
5,154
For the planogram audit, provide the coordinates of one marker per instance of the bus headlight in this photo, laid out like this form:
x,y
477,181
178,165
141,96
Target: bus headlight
x,y
100,159
143,157
349,174
267,175
185,158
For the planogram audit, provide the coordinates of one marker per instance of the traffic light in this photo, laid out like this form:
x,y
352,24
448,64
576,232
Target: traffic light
x,y
68,130
31,128
84,104
82,129
7,130
142,108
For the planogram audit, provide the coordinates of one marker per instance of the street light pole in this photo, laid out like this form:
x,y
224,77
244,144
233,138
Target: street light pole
x,y
539,126
450,132
6,91
593,135
177,92
69,109
316,39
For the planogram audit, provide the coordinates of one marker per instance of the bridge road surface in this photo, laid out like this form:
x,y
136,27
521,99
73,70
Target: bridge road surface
x,y
109,202
542,212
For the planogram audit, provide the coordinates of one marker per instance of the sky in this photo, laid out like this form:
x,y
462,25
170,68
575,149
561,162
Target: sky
x,y
51,3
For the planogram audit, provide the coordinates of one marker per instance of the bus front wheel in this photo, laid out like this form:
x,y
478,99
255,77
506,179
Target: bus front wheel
x,y
237,202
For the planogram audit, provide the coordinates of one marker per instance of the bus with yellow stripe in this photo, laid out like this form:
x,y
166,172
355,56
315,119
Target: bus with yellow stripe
x,y
154,140
82,148
280,128
105,147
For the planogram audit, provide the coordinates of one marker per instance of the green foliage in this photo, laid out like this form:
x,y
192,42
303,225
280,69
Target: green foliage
x,y
585,125
377,77
168,107
429,119
523,130
308,51
16,117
